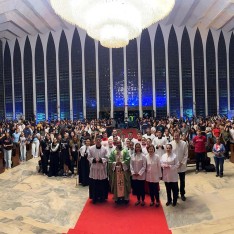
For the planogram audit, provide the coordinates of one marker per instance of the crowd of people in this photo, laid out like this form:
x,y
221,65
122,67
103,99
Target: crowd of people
x,y
107,160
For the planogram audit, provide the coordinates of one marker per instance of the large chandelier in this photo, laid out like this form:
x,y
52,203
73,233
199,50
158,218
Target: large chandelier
x,y
113,22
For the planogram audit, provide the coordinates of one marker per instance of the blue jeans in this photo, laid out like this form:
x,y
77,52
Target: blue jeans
x,y
219,165
7,157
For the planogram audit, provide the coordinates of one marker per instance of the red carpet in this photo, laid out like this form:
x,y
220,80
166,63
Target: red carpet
x,y
109,218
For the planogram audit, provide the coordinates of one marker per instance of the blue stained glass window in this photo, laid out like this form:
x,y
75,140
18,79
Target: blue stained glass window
x,y
186,75
2,102
64,78
231,70
211,75
146,71
160,74
8,83
118,78
199,75
173,68
18,80
28,81
90,79
77,82
222,61
104,78
51,79
40,80
132,75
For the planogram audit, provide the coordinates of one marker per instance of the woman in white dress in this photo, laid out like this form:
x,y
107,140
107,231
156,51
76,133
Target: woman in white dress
x,y
153,175
138,167
170,164
22,141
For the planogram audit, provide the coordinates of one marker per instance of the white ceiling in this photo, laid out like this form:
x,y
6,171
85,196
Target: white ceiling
x,y
30,17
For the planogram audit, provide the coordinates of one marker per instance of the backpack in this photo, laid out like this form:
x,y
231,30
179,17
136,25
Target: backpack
x,y
210,168
207,161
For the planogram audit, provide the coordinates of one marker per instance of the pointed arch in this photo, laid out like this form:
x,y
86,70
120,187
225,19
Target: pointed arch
x,y
173,69
160,74
8,83
211,75
186,62
118,81
199,75
90,79
77,82
222,74
17,64
104,80
51,79
40,80
132,75
2,99
231,70
64,78
28,81
146,71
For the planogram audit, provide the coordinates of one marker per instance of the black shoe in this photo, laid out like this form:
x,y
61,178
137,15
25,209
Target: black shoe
x,y
183,198
196,172
142,203
151,203
168,203
137,203
157,204
221,176
94,201
126,202
174,204
217,175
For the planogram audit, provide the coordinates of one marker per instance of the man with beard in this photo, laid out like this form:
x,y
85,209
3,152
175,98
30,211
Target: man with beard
x,y
119,162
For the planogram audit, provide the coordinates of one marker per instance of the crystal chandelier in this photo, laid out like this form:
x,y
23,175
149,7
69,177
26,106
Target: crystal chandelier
x,y
113,22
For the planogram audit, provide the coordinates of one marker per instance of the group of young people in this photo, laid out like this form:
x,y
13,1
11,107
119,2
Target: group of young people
x,y
160,153
108,161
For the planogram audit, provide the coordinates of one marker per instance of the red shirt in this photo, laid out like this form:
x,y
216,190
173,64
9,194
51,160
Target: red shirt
x,y
216,132
200,144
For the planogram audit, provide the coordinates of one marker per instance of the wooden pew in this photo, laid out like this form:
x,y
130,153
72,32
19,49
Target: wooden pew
x,y
232,153
15,156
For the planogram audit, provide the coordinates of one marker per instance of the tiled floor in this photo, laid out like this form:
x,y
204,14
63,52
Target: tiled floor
x,y
209,207
32,203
